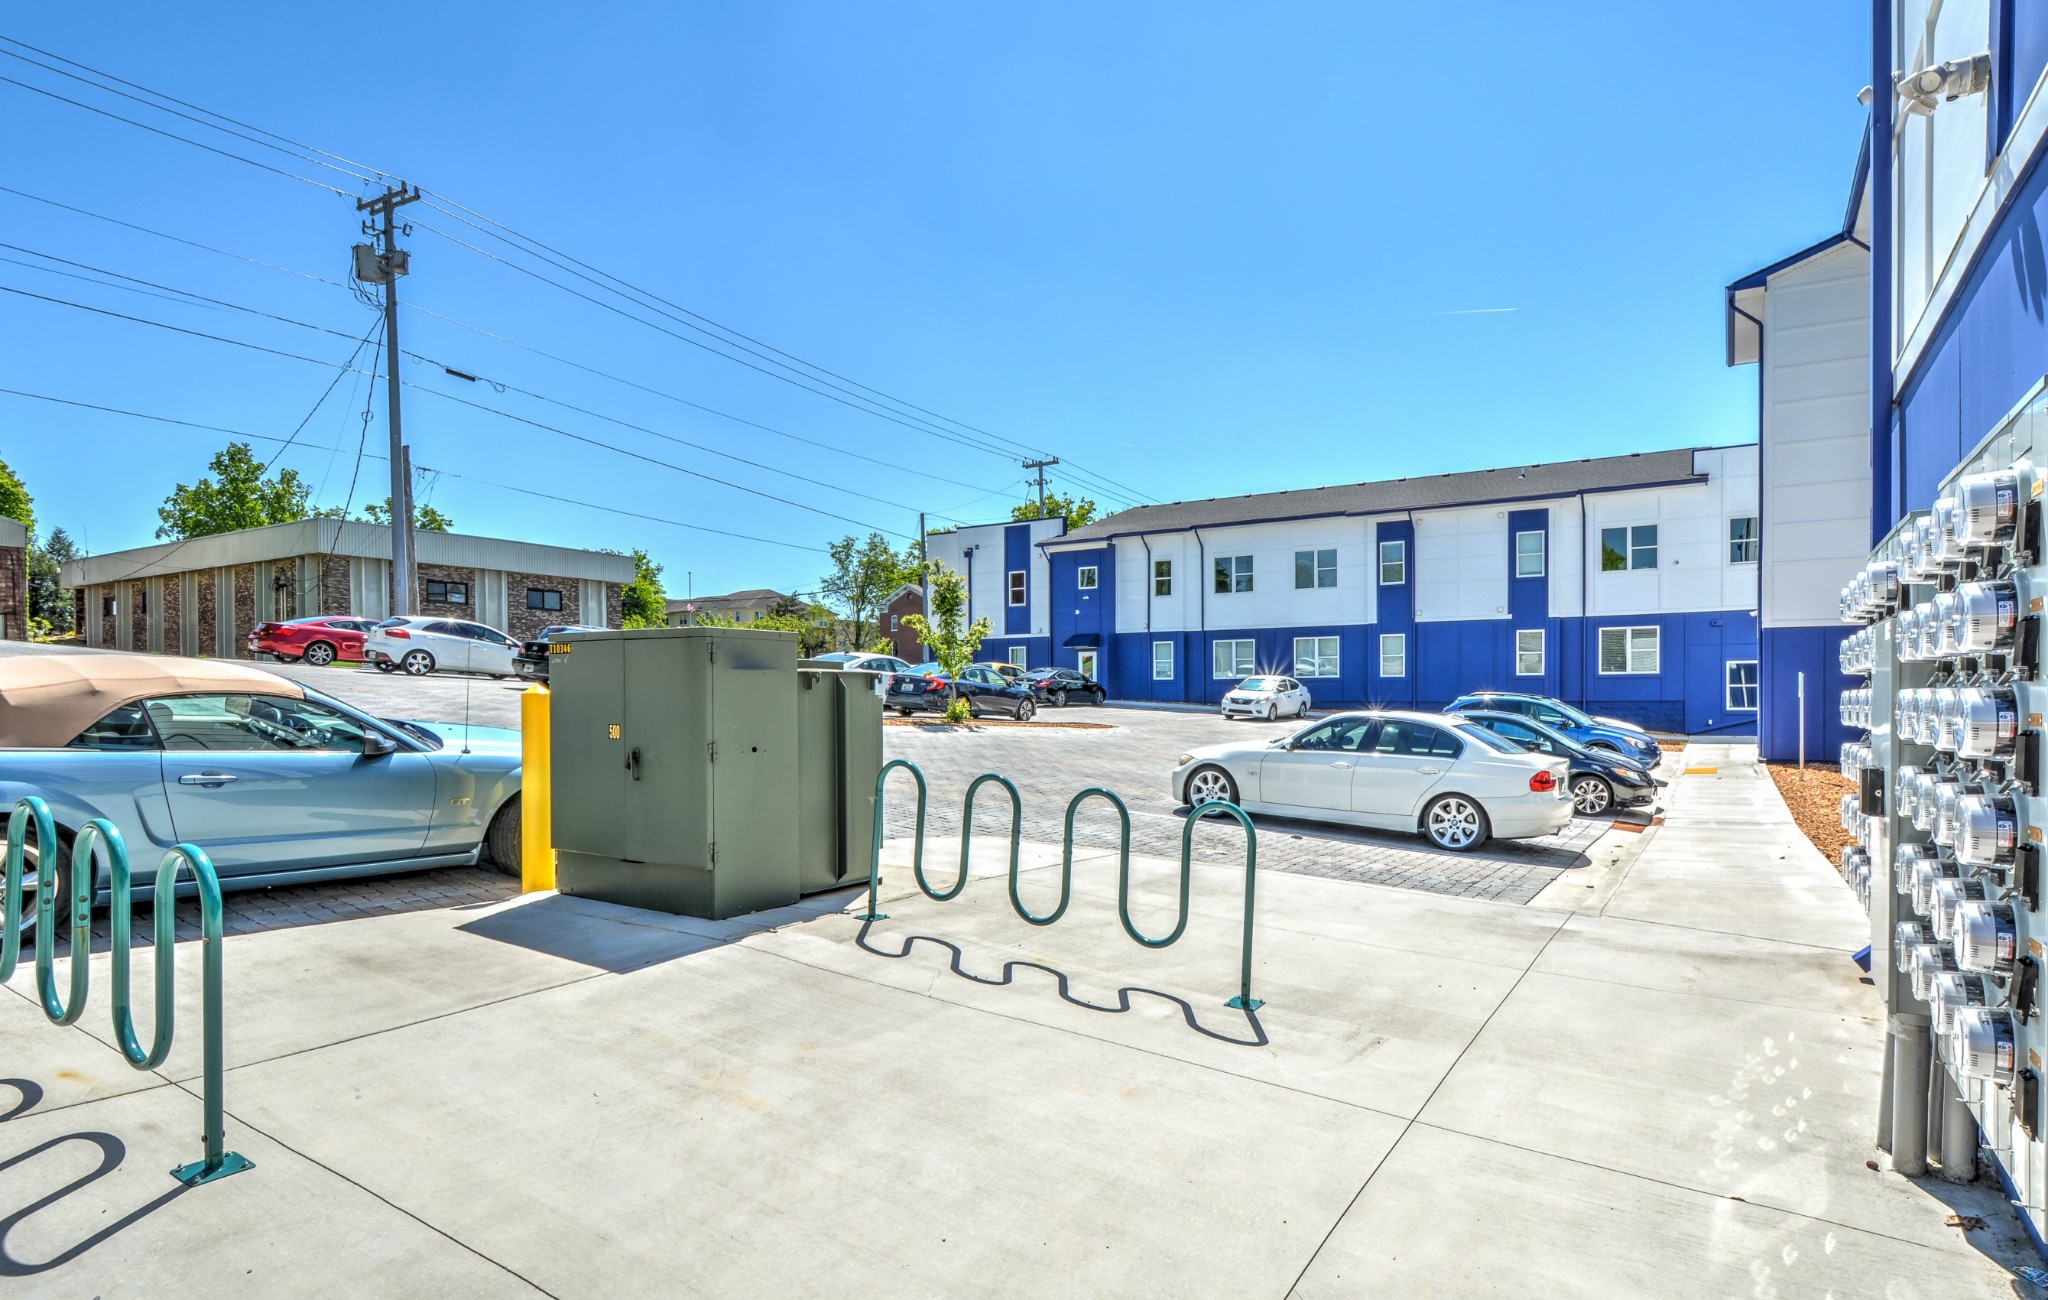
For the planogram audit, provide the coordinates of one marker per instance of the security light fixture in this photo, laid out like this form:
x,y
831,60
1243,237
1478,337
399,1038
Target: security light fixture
x,y
1942,83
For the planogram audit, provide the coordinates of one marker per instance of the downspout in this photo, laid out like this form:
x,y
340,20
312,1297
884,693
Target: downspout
x,y
1584,613
1883,100
1202,592
1152,665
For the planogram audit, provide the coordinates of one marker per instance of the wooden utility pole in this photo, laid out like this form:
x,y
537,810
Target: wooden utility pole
x,y
384,265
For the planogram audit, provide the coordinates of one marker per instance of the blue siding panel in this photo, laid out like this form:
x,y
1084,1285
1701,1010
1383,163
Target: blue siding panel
x,y
1016,556
1787,652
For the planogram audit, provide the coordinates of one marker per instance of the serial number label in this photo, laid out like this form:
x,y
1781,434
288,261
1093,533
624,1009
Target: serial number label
x,y
560,649
612,731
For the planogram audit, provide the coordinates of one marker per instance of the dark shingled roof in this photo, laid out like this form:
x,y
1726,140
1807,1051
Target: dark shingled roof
x,y
1560,478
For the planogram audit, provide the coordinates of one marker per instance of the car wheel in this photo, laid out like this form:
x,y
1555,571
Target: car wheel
x,y
417,663
1210,785
319,654
31,880
1272,713
1591,795
1026,710
1455,822
1059,699
503,841
1302,712
384,666
1097,697
907,712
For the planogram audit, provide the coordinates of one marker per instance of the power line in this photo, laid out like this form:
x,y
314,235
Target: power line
x,y
176,239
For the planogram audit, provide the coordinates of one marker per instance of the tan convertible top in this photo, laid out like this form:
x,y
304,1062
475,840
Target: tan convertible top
x,y
46,700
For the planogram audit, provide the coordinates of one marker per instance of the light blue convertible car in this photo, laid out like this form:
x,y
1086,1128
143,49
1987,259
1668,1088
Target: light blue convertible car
x,y
278,783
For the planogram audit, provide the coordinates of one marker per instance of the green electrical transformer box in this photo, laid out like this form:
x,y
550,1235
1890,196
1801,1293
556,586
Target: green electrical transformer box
x,y
679,756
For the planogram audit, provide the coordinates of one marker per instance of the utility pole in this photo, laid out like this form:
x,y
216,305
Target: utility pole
x,y
383,265
924,569
1041,466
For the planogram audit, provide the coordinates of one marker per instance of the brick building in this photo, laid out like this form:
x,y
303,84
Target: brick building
x,y
202,595
909,599
13,580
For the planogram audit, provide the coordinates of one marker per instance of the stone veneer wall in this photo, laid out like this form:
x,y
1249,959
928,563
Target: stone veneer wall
x,y
99,596
174,596
207,625
138,616
614,604
334,587
14,592
243,612
527,623
422,573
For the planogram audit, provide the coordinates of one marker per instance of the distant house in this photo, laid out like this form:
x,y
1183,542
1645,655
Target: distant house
x,y
909,599
739,606
13,580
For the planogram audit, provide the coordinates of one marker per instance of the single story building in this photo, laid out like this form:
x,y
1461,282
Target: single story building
x,y
13,580
200,596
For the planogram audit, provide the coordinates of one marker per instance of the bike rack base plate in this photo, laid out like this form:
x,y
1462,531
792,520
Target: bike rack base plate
x,y
196,1173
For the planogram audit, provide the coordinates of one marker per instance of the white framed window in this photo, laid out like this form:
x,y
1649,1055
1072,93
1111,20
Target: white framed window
x,y
1020,656
1162,661
1315,656
1632,547
1529,554
1742,685
1315,569
895,622
1233,659
1745,542
1233,573
1529,652
1393,563
1017,587
1626,650
1162,577
1084,577
1393,654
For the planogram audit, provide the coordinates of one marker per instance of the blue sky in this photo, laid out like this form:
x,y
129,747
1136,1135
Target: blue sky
x,y
1195,249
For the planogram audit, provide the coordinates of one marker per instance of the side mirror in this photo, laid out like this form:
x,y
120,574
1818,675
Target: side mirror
x,y
377,745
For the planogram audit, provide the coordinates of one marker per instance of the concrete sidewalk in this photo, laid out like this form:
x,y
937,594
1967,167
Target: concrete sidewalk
x,y
1666,1089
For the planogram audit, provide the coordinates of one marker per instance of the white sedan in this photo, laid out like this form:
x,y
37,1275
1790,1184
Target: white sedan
x,y
417,646
1453,782
1267,697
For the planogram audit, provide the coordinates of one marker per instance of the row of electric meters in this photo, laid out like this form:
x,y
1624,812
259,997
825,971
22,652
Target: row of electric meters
x,y
1946,816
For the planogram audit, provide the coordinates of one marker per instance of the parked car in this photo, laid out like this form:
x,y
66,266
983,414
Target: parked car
x,y
1610,734
1454,783
277,782
532,659
1004,669
853,662
927,688
318,641
1266,697
1600,782
1058,685
417,646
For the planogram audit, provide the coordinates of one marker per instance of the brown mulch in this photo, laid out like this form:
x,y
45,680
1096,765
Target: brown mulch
x,y
1040,721
1815,798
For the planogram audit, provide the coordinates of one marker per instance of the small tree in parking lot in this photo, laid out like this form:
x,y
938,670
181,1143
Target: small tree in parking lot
x,y
952,641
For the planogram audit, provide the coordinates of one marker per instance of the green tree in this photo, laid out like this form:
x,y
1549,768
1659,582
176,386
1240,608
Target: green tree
x,y
425,519
15,502
951,643
1079,510
643,603
48,602
864,575
811,623
238,496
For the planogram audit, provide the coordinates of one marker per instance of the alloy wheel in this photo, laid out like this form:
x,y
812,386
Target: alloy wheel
x,y
1590,795
1454,823
418,663
1059,698
1025,710
1209,785
319,654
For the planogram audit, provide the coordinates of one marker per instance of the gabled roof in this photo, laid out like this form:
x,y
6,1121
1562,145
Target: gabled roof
x,y
1436,491
1743,315
730,600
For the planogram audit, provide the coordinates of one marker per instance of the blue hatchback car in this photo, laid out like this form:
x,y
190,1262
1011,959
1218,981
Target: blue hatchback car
x,y
1610,734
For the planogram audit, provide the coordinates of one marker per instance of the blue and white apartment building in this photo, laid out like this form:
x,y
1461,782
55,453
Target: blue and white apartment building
x,y
1626,584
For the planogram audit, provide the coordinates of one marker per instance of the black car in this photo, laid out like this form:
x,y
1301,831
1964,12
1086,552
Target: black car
x,y
1059,685
1599,781
927,688
532,659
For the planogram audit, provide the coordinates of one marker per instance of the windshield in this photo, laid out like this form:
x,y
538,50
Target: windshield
x,y
928,670
1256,684
396,622
1499,744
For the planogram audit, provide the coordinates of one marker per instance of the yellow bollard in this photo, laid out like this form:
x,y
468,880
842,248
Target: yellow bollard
x,y
537,797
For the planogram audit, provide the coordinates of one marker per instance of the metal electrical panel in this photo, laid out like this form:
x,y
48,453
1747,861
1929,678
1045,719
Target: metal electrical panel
x,y
839,748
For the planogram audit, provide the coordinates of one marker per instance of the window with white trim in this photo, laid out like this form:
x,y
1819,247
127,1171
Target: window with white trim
x,y
1020,656
1162,661
1629,650
1529,554
1162,577
1235,659
1633,547
1233,573
1529,652
1393,563
1314,569
1017,587
1745,541
1393,654
1084,577
1742,685
1315,656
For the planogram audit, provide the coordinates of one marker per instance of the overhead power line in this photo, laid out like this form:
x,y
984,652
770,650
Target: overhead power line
x,y
176,239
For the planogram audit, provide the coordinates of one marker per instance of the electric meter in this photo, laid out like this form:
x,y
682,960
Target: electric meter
x,y
1906,860
1929,963
1948,798
1908,937
1987,830
1849,812
1985,938
1986,721
1902,794
1881,579
1949,895
1926,796
1925,549
1926,875
1943,698
1947,626
1954,990
1981,1044
1987,510
1947,554
1988,613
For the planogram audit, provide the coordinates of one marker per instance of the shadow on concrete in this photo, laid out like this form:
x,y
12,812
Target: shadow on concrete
x,y
1999,1237
31,1097
112,1152
558,927
1532,853
1123,995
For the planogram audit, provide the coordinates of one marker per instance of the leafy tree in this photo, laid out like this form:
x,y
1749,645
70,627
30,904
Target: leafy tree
x,y
811,623
643,603
239,496
49,602
1079,510
425,519
15,502
864,575
952,644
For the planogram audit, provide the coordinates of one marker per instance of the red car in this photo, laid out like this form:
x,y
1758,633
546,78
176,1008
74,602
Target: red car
x,y
317,641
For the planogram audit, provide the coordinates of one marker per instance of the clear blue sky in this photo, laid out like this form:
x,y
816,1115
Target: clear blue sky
x,y
1199,249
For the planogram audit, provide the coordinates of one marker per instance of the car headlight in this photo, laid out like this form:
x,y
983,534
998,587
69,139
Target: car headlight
x,y
1185,759
1627,777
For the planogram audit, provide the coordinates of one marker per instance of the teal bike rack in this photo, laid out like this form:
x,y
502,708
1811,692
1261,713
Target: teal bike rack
x,y
1244,1001
66,1008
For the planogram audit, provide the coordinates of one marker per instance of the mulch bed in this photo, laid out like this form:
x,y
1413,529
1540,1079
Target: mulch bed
x,y
1039,722
1815,798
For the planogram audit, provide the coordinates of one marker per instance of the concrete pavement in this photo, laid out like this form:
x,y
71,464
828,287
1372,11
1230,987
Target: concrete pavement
x,y
1668,1091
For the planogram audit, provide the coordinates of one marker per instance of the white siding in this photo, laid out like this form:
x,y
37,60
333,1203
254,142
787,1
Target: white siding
x,y
1273,601
1816,413
1693,572
978,553
1460,566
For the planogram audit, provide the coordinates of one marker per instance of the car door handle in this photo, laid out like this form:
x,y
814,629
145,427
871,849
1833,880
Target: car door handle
x,y
1340,765
206,778
1430,771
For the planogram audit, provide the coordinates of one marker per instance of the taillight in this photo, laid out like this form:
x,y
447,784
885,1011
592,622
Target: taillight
x,y
1543,782
933,684
265,629
399,633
